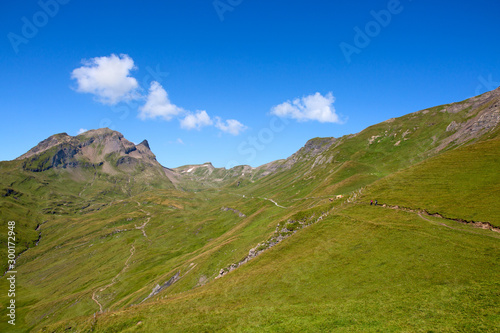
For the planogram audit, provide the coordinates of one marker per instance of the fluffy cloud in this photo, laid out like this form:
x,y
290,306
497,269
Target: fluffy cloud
x,y
82,130
158,104
313,107
110,81
108,78
196,121
231,126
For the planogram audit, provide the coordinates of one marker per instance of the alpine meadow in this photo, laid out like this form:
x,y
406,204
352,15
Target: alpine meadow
x,y
392,229
204,166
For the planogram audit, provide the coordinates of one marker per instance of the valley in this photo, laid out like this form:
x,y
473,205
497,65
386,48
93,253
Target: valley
x,y
112,241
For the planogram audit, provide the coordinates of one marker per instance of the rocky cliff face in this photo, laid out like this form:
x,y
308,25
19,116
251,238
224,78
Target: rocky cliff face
x,y
483,115
92,148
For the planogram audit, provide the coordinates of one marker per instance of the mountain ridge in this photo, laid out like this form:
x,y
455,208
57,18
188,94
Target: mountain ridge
x,y
483,115
99,240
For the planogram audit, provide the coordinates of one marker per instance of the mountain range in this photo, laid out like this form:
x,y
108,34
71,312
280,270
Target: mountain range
x,y
394,228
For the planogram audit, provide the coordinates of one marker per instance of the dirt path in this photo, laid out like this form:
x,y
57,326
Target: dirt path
x,y
274,202
113,280
262,198
126,265
447,226
421,213
143,226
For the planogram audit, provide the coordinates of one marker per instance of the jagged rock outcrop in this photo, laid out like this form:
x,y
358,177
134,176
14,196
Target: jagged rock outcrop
x,y
90,149
157,289
483,114
311,151
237,212
283,231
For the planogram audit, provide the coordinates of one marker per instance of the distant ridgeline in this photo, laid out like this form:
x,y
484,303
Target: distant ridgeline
x,y
107,239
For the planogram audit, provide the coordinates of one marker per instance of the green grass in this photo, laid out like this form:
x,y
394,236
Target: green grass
x,y
363,270
461,184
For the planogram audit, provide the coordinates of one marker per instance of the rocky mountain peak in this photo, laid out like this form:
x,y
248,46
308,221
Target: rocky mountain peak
x,y
48,143
145,143
94,147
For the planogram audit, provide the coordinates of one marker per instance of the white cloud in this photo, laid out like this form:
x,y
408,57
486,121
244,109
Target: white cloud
x,y
179,141
231,126
196,121
108,78
313,107
158,104
82,130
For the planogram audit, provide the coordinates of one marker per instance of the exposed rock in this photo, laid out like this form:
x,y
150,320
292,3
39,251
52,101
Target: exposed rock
x,y
289,228
457,107
87,150
452,126
10,192
373,138
317,145
157,289
126,160
202,280
240,214
145,143
46,144
485,112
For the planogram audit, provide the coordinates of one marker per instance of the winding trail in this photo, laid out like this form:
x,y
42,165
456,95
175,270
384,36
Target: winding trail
x,y
113,280
421,213
262,198
447,226
143,226
274,202
126,265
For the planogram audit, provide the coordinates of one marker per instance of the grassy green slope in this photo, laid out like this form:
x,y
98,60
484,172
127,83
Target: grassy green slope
x,y
362,269
358,160
81,254
32,198
461,184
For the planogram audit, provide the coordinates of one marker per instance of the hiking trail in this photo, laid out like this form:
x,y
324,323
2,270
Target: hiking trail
x,y
113,280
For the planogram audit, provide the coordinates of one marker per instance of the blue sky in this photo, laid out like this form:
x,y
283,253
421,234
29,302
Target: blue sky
x,y
235,81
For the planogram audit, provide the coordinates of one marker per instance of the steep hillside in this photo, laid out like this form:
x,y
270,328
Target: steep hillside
x,y
201,176
117,242
68,176
354,161
461,184
361,269
327,166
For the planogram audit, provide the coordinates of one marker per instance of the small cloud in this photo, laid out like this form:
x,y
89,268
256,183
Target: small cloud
x,y
82,130
231,126
312,107
158,104
108,78
179,141
196,121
